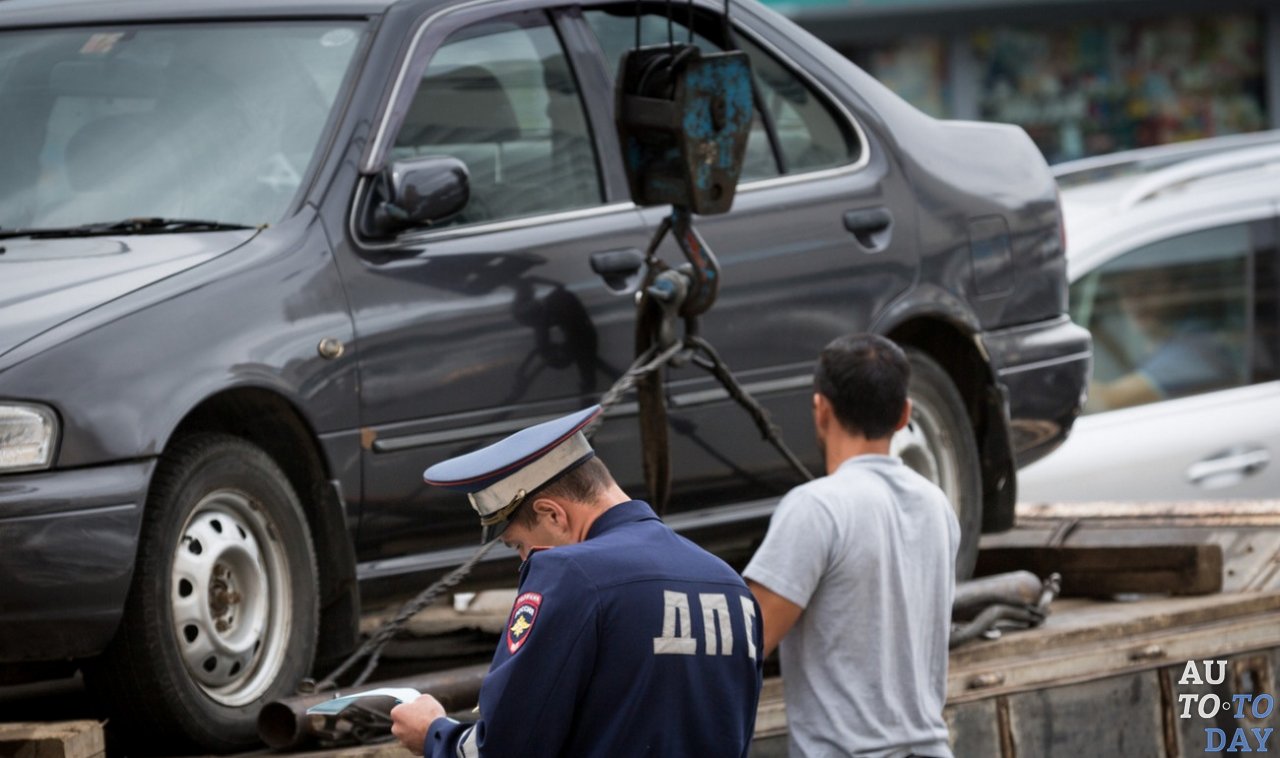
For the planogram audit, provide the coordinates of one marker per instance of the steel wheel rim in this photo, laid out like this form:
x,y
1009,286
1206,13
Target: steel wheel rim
x,y
925,446
229,598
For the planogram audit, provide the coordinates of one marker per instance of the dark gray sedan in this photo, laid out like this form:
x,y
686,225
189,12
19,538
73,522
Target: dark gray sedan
x,y
222,371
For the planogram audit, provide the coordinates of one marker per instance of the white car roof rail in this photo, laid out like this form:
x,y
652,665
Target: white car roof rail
x,y
1213,165
1147,159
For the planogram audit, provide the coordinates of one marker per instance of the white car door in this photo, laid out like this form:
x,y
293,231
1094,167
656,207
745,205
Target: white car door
x,y
1216,445
1185,402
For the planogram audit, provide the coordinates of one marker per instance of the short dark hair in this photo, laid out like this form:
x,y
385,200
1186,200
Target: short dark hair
x,y
582,483
865,376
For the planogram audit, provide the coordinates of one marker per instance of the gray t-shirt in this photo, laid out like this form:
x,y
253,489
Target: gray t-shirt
x,y
869,553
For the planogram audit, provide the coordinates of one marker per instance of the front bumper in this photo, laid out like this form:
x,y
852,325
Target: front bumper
x,y
1044,368
67,545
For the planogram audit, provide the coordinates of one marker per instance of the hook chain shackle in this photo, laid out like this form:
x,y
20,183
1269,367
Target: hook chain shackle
x,y
657,89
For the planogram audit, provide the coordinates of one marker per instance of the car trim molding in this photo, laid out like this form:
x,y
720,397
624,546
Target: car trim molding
x,y
440,560
79,512
682,400
1047,363
505,225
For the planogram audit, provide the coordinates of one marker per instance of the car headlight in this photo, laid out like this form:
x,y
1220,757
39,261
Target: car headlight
x,y
28,435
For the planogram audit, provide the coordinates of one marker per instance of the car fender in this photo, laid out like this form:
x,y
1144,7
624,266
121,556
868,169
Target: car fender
x,y
249,319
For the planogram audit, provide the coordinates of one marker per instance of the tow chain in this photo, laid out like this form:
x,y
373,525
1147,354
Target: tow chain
x,y
657,133
702,354
373,646
655,358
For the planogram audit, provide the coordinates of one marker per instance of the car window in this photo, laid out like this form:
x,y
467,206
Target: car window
x,y
1169,319
810,135
501,97
1266,319
207,121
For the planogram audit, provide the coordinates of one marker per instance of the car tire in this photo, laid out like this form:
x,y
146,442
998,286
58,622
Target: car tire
x,y
939,443
222,614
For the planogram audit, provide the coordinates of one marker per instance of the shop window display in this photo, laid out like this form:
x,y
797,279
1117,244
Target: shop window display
x,y
1090,89
915,68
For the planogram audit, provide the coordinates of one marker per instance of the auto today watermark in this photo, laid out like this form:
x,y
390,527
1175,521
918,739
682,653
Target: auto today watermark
x,y
1254,707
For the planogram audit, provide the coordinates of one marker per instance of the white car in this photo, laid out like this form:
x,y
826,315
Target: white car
x,y
1172,255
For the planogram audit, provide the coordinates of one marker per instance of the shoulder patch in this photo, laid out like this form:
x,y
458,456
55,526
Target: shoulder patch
x,y
523,614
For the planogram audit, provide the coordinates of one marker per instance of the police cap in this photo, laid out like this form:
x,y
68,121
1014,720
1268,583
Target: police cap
x,y
498,478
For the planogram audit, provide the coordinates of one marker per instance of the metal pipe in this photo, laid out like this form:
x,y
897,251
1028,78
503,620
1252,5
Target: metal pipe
x,y
284,725
1012,588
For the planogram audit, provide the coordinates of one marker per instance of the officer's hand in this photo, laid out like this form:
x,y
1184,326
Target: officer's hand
x,y
410,721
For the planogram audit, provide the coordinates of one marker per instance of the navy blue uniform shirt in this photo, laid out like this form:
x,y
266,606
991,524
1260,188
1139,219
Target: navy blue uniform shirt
x,y
635,642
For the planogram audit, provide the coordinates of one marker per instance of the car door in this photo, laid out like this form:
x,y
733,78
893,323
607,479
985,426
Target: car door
x,y
473,329
819,240
1194,316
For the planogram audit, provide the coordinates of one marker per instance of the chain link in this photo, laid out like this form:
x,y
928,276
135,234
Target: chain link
x,y
651,360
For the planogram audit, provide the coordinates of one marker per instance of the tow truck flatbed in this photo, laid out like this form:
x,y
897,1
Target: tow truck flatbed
x,y
1137,675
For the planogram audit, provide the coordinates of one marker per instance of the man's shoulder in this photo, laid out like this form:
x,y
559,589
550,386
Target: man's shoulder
x,y
863,483
819,490
647,550
852,481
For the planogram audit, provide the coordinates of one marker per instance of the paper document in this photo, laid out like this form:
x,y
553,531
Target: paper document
x,y
382,699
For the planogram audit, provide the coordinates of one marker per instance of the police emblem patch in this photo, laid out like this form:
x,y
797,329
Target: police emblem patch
x,y
523,614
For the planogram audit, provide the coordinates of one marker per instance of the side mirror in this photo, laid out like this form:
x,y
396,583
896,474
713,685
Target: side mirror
x,y
418,192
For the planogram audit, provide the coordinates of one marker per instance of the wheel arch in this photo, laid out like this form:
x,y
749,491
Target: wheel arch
x,y
957,350
269,420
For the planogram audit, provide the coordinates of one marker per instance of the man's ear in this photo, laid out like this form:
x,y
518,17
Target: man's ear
x,y
821,411
550,510
905,418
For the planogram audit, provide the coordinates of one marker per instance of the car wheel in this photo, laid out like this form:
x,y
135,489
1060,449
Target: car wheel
x,y
222,613
939,444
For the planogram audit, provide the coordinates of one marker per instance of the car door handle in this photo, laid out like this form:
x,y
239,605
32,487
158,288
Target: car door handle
x,y
1228,467
872,227
618,267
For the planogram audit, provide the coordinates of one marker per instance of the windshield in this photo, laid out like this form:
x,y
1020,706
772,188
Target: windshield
x,y
216,122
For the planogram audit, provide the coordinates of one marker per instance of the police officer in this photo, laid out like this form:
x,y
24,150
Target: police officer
x,y
625,638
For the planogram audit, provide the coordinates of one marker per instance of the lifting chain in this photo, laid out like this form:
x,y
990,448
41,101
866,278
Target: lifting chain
x,y
684,117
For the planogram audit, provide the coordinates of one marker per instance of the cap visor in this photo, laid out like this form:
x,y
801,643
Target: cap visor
x,y
490,533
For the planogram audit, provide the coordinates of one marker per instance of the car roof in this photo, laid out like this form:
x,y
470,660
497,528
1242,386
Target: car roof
x,y
1148,159
1112,198
19,13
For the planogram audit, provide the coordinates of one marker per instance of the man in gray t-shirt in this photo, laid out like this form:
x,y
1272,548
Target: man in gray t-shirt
x,y
856,575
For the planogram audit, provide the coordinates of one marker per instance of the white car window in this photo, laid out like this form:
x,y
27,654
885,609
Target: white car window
x,y
1170,319
501,97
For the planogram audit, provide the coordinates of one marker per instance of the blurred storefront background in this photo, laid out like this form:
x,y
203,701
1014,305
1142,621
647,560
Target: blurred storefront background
x,y
1083,77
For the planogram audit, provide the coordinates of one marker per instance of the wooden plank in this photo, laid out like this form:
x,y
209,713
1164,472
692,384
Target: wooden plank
x,y
1115,716
1106,571
64,739
771,717
1250,548
1081,642
1056,665
974,728
1075,623
1173,513
381,750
